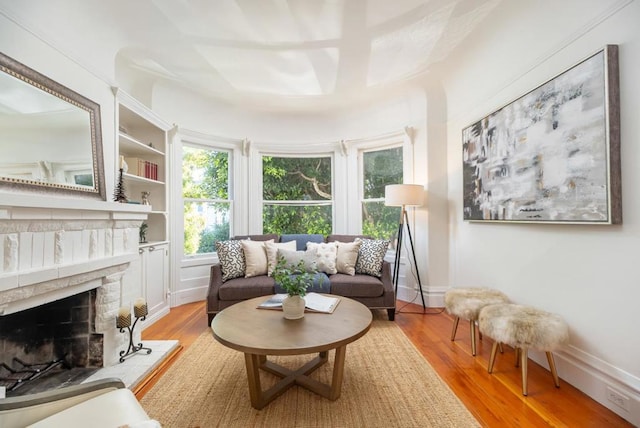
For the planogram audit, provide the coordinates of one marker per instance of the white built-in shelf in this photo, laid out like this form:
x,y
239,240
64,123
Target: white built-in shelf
x,y
130,146
139,179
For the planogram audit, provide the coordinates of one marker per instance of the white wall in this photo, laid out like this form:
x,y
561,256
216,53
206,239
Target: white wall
x,y
586,274
279,132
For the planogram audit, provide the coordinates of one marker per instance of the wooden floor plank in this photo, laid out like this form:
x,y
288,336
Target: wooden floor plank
x,y
496,399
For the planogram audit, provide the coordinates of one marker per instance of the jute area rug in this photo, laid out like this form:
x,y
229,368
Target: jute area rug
x,y
387,383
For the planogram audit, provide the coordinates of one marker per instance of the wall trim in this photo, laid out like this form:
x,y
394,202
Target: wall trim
x,y
189,295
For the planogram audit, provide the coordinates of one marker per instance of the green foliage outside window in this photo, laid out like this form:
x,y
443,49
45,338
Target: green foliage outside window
x,y
205,180
380,167
297,194
307,182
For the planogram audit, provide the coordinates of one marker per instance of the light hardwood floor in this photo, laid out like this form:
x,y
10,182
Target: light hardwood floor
x,y
496,399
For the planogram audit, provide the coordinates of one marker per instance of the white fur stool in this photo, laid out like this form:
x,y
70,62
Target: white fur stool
x,y
466,303
523,327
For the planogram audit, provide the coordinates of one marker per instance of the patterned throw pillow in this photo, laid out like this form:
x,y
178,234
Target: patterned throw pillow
x,y
327,255
231,259
347,257
371,256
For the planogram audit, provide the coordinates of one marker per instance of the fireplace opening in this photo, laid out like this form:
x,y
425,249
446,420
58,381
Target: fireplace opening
x,y
50,346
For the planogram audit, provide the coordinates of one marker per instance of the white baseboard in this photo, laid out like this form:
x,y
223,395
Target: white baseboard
x,y
190,295
598,379
433,296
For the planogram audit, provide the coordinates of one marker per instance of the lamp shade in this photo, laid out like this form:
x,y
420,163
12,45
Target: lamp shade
x,y
397,195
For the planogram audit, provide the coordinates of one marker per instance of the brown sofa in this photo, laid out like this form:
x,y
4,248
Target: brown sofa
x,y
373,292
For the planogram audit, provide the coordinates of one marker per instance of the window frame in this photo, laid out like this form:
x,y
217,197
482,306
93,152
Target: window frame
x,y
355,170
232,147
286,154
361,172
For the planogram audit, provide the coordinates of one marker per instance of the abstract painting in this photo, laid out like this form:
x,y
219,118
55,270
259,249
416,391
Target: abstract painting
x,y
552,155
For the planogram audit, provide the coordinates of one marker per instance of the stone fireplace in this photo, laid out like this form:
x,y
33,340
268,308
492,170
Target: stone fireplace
x,y
61,268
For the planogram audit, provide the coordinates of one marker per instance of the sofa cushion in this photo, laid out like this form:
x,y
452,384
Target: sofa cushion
x,y
255,257
302,239
246,288
272,252
231,259
347,257
327,256
293,258
371,255
320,284
356,286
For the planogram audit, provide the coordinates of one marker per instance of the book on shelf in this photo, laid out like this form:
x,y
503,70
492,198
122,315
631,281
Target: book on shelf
x,y
314,302
142,168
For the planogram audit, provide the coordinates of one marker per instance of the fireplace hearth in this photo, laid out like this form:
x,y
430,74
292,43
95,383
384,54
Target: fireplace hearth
x,y
61,267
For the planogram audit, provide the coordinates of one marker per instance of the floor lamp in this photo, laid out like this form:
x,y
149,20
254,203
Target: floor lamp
x,y
404,195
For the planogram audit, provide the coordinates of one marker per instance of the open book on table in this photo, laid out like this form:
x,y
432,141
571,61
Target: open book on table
x,y
314,302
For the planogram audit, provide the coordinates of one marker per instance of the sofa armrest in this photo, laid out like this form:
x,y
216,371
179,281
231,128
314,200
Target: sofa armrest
x,y
386,278
25,410
215,281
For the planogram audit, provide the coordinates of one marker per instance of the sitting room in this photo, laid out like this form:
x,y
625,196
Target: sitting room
x,y
276,213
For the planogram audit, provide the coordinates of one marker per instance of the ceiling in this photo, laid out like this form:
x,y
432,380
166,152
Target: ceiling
x,y
286,54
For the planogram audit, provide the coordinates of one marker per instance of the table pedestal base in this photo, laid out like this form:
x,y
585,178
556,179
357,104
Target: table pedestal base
x,y
260,398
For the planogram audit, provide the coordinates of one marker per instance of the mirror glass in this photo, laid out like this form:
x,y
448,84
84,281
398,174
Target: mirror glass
x,y
50,136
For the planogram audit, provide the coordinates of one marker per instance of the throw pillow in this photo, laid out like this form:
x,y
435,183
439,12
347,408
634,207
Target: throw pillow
x,y
231,259
371,256
255,256
272,252
347,257
327,255
293,258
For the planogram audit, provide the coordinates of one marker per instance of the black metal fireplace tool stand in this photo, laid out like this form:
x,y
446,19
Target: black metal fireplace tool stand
x,y
132,349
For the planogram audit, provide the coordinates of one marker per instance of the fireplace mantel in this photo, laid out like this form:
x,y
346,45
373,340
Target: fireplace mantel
x,y
51,248
16,203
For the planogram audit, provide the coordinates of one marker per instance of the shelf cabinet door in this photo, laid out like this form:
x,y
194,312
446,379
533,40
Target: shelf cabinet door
x,y
155,280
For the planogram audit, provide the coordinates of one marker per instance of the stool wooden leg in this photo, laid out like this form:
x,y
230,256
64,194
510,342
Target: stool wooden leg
x,y
552,367
455,327
524,357
517,351
472,323
492,359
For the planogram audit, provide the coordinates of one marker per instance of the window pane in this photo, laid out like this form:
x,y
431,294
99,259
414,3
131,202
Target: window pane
x,y
204,224
296,179
205,174
380,221
296,219
381,167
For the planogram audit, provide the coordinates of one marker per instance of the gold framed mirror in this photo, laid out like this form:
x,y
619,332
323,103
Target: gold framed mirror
x,y
50,136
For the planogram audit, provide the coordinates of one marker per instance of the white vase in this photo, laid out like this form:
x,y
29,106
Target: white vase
x,y
293,307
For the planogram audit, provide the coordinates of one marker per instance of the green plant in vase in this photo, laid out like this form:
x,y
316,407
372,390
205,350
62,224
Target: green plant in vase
x,y
143,232
295,279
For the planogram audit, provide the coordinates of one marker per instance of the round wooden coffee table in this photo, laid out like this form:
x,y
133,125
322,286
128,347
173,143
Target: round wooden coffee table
x,y
262,332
